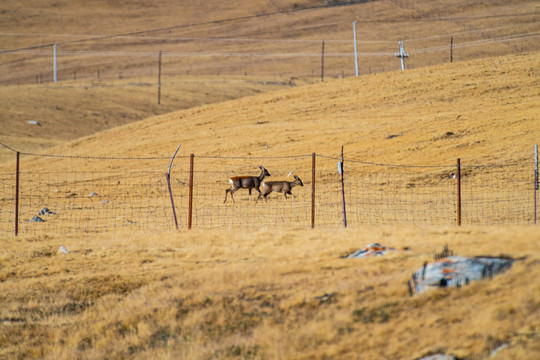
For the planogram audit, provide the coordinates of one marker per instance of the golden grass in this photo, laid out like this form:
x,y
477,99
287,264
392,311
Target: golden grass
x,y
490,107
272,292
475,111
85,103
260,294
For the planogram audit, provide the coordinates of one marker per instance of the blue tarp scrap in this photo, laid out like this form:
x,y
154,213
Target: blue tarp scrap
x,y
457,271
371,250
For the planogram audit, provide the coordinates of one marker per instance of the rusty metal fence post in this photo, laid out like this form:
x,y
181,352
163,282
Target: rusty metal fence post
x,y
190,210
17,195
459,192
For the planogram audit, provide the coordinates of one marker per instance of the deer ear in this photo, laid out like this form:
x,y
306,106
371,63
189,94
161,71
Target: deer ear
x,y
296,177
261,167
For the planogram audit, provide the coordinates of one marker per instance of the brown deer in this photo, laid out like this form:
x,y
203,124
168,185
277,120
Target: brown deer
x,y
246,182
279,186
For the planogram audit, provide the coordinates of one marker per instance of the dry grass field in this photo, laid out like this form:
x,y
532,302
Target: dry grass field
x,y
215,51
275,290
261,295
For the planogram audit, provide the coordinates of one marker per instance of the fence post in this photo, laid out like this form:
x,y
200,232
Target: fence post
x,y
312,190
459,192
322,62
55,67
190,211
17,195
451,49
536,185
159,80
340,171
170,190
355,51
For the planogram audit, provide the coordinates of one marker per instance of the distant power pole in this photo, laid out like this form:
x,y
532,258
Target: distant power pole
x,y
451,49
322,62
55,65
355,52
402,54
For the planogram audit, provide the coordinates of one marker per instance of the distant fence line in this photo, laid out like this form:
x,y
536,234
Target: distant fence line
x,y
90,59
363,194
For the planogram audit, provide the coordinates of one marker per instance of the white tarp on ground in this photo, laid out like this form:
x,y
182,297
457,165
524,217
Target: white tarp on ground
x,y
456,271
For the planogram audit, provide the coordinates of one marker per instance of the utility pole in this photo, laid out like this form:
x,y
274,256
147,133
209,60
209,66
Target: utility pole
x,y
355,52
55,65
402,54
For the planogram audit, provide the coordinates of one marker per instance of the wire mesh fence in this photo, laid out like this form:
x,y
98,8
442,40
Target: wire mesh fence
x,y
489,192
374,194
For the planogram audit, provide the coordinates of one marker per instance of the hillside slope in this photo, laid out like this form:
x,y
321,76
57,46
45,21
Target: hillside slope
x,y
215,51
484,111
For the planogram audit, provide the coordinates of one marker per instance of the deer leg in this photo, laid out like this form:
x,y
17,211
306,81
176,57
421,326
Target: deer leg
x,y
265,196
259,191
226,192
232,192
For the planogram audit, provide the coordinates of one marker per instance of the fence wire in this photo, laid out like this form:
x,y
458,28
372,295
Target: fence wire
x,y
207,59
375,194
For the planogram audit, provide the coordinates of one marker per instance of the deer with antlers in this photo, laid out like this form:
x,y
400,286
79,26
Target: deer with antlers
x,y
246,182
279,186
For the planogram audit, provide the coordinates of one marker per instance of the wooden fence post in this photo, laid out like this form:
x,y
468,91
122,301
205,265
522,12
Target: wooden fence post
x,y
459,192
536,185
159,80
451,49
322,61
313,190
190,211
17,195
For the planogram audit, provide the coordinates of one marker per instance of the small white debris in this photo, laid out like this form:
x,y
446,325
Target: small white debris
x,y
105,201
439,357
63,250
36,219
496,351
92,194
32,122
46,211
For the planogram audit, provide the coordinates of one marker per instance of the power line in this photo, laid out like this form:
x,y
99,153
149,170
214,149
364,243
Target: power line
x,y
266,40
247,17
152,54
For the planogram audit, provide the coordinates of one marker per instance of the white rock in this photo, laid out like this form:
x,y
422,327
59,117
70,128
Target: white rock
x,y
63,250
